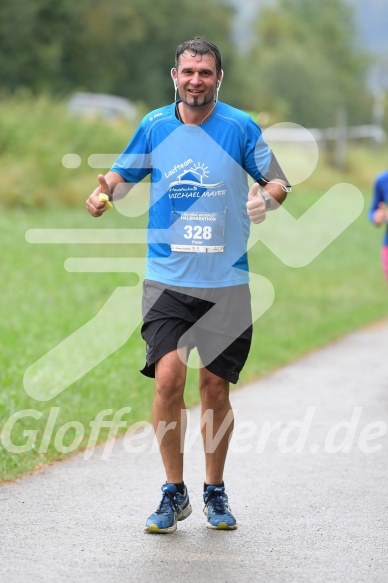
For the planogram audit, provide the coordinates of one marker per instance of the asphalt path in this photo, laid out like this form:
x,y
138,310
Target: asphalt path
x,y
307,478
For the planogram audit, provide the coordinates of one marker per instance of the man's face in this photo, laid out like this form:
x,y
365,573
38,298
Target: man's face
x,y
196,78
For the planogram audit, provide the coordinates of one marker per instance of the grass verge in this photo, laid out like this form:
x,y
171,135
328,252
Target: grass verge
x,y
343,289
43,304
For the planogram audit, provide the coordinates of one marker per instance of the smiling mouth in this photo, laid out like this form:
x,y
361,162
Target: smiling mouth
x,y
200,97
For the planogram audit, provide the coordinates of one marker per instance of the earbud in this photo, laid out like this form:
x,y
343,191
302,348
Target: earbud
x,y
174,81
218,84
173,78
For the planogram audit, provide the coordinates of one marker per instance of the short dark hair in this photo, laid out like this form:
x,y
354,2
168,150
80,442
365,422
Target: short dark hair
x,y
199,46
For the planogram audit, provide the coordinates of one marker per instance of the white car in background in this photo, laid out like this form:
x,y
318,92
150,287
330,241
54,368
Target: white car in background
x,y
95,105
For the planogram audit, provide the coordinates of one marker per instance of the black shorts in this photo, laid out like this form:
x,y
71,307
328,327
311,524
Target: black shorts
x,y
218,321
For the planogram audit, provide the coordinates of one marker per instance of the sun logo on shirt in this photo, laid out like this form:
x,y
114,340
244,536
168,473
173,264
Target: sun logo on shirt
x,y
194,176
200,169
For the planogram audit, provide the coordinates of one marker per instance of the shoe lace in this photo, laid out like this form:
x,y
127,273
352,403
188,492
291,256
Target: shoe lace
x,y
167,501
217,502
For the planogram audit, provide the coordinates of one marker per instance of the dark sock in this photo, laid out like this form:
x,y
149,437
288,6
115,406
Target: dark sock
x,y
206,485
180,487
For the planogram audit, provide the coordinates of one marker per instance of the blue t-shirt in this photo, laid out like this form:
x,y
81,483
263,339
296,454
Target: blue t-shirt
x,y
198,223
380,194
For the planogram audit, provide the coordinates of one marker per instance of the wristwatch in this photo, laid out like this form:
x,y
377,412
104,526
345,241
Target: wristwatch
x,y
267,201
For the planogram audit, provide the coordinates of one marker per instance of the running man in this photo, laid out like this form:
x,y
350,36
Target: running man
x,y
199,153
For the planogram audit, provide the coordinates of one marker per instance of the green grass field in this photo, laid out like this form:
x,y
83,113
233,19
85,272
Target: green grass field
x,y
341,290
42,304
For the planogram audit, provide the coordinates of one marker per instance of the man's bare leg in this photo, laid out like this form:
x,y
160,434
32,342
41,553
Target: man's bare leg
x,y
218,414
217,417
169,409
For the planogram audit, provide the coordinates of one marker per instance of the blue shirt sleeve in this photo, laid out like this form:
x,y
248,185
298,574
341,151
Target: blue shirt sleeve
x,y
134,163
257,153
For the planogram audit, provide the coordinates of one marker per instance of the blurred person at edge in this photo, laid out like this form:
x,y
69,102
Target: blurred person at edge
x,y
378,214
199,153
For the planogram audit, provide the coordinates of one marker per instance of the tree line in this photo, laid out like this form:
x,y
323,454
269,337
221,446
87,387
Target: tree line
x,y
302,66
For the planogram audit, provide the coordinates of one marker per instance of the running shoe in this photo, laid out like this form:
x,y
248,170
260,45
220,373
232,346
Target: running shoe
x,y
217,509
173,507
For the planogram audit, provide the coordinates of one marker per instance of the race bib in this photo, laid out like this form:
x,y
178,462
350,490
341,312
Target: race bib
x,y
193,232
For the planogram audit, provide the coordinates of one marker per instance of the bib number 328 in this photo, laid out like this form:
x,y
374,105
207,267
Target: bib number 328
x,y
193,232
197,232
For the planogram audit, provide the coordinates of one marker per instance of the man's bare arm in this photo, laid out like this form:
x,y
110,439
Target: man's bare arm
x,y
113,185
